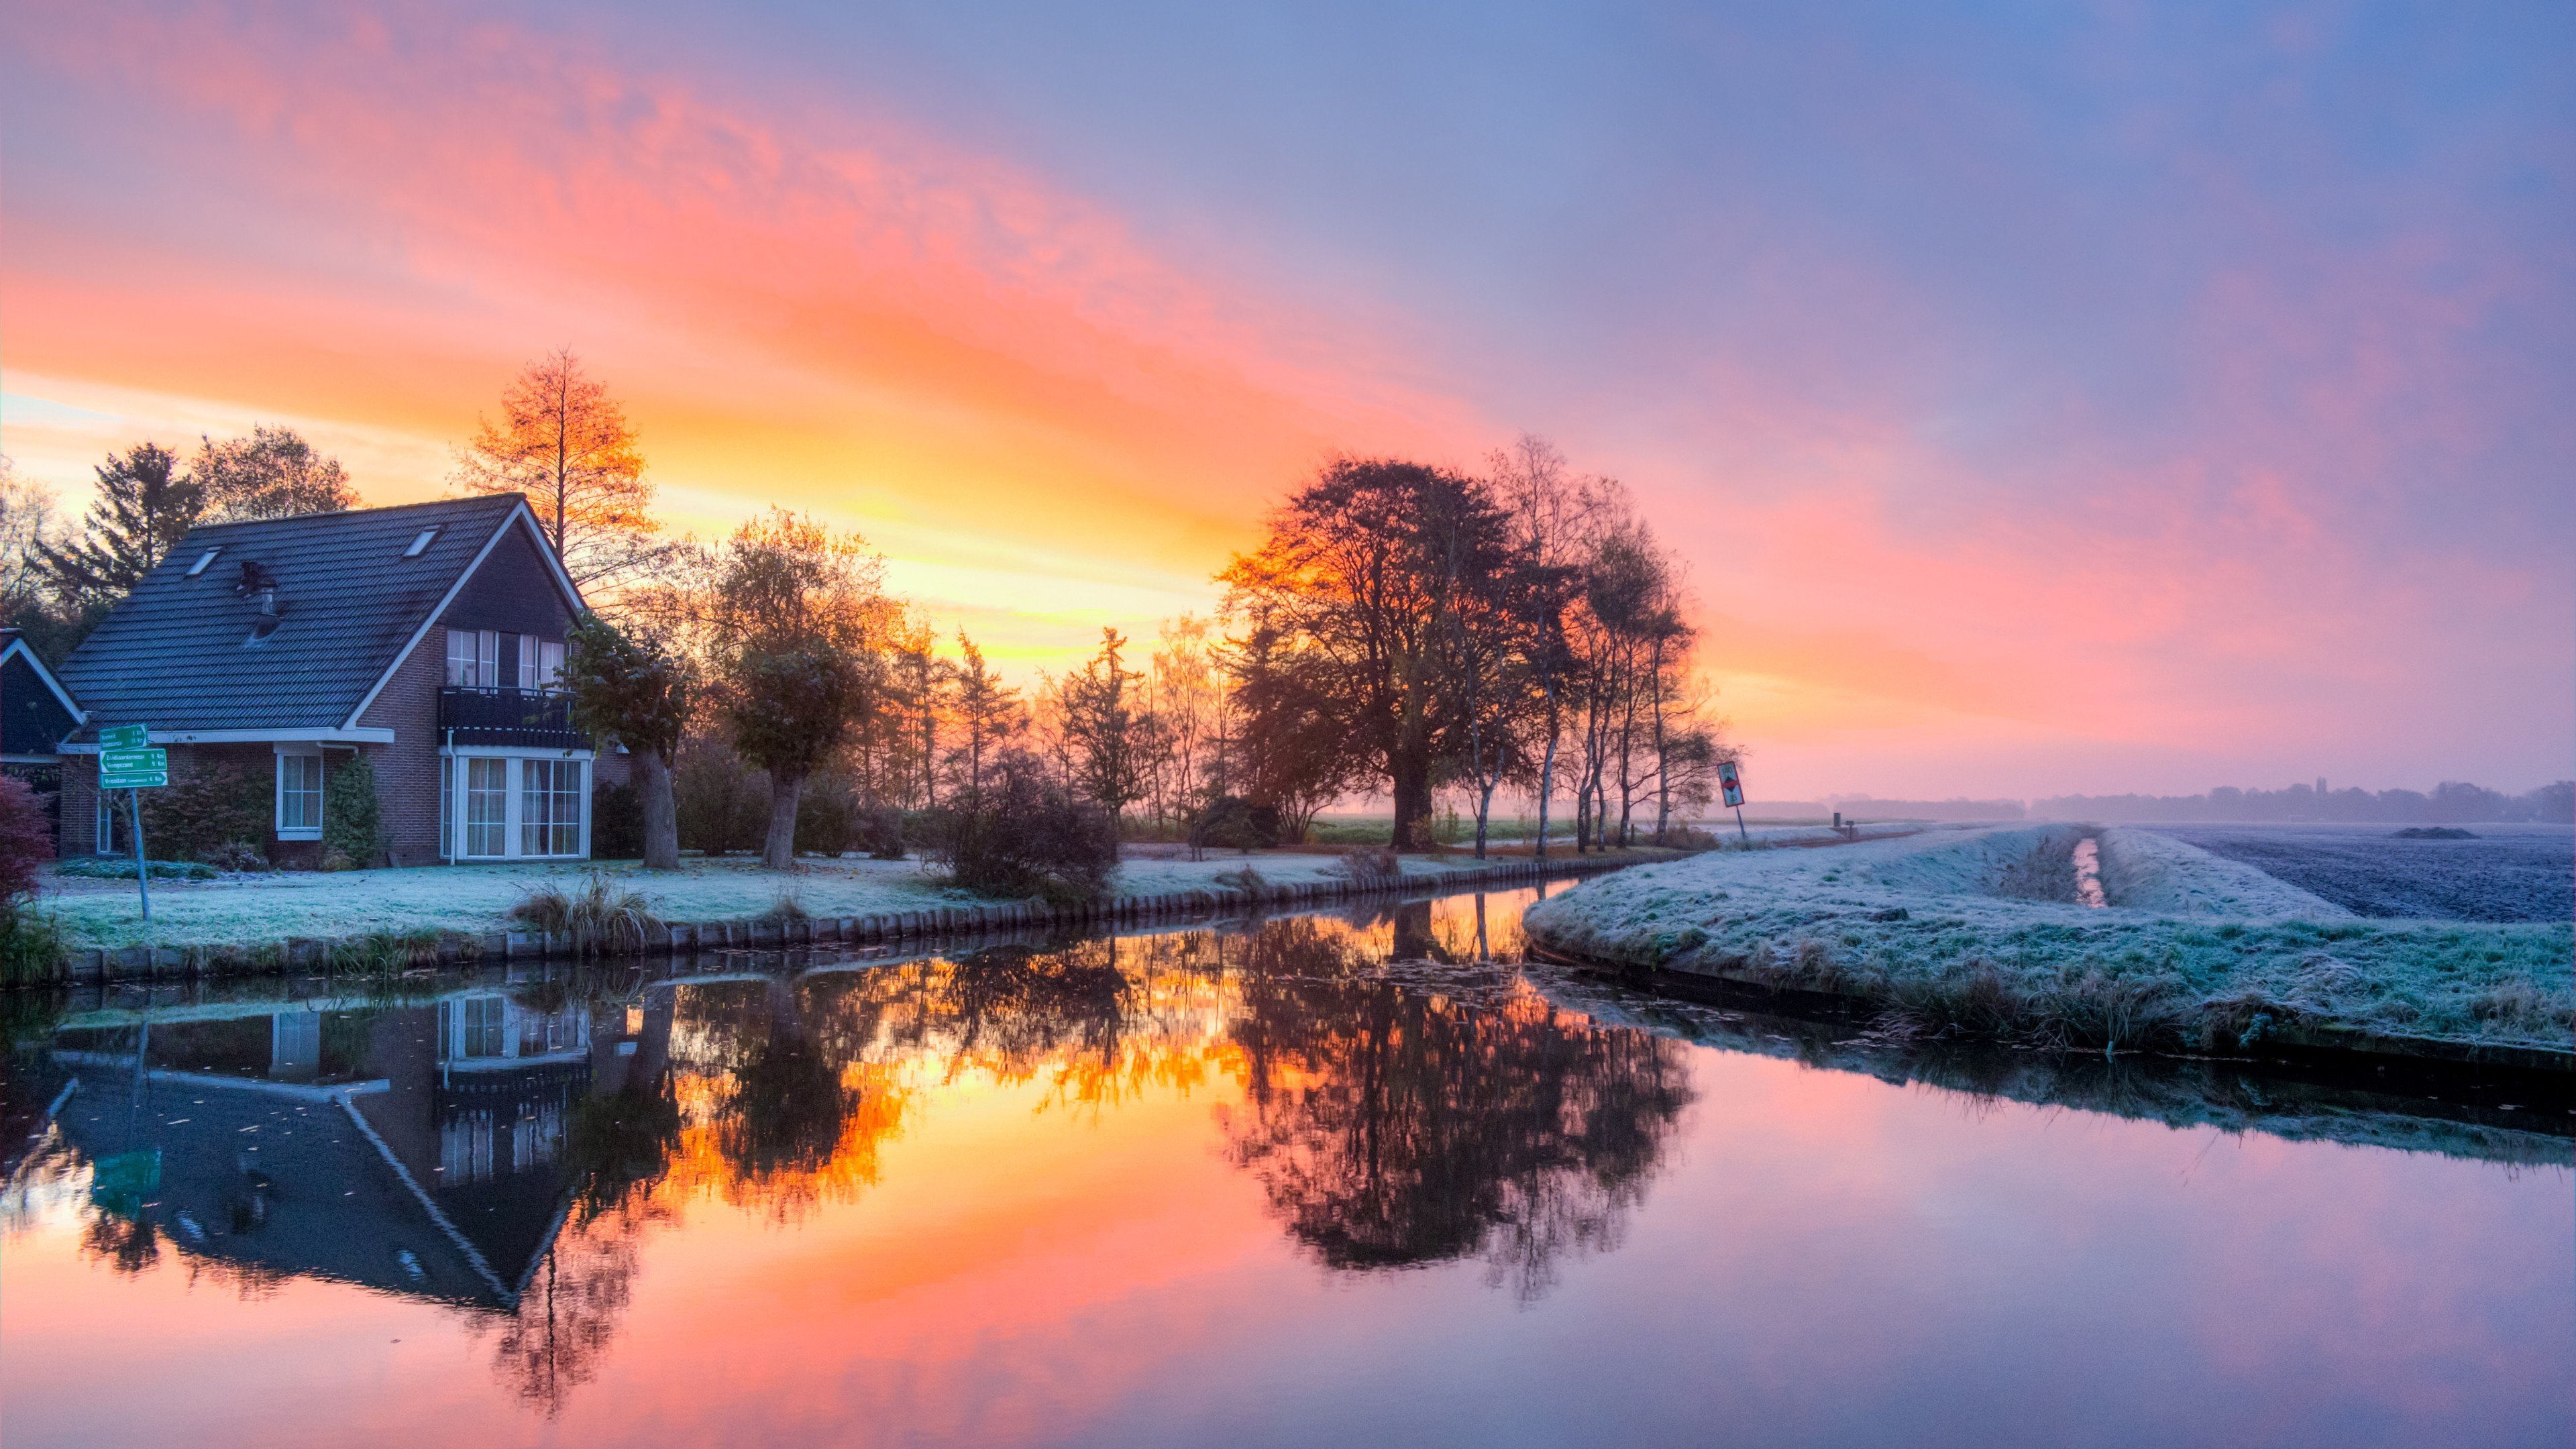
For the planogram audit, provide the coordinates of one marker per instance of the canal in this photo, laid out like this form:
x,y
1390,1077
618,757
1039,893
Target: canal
x,y
1342,1178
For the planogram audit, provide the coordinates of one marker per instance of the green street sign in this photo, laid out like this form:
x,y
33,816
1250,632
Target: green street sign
x,y
133,769
124,737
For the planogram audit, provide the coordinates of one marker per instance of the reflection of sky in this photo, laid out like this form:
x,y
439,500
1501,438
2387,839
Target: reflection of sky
x,y
1018,1251
2044,399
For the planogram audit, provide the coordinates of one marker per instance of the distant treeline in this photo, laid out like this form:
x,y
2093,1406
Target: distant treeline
x,y
2452,802
1865,807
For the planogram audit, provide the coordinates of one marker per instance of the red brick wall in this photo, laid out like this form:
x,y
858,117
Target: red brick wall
x,y
407,769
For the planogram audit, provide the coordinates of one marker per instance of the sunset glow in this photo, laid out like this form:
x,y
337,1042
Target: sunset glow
x,y
2103,405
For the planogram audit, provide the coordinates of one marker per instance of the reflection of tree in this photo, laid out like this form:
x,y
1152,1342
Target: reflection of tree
x,y
1392,1128
126,1245
560,1330
619,1140
780,1114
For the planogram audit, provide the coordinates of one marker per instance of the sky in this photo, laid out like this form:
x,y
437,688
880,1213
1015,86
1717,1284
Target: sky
x,y
2045,398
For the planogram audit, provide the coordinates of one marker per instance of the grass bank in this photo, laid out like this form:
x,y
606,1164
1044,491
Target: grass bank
x,y
397,918
1978,934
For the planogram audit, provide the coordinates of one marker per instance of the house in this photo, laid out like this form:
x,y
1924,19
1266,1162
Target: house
x,y
426,639
36,713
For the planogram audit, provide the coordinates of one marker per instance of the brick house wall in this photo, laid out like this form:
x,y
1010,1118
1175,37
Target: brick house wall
x,y
407,769
256,762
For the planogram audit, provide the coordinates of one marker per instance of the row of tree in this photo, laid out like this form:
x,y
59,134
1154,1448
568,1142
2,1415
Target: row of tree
x,y
1401,629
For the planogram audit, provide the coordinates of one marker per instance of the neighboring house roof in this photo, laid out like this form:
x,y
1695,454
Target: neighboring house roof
x,y
36,712
177,653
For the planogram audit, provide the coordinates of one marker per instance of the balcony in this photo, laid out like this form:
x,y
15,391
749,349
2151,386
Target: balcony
x,y
507,717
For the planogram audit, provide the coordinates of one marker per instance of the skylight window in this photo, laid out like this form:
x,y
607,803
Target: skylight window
x,y
419,545
203,559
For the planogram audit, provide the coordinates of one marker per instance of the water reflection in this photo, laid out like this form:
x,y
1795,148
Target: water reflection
x,y
1392,1127
519,1152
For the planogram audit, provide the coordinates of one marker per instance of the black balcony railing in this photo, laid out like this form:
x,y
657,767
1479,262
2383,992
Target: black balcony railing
x,y
507,717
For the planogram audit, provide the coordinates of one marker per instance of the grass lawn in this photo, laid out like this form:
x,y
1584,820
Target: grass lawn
x,y
252,910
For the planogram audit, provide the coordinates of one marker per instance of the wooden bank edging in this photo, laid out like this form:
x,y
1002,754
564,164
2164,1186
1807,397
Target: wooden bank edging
x,y
2343,1050
92,965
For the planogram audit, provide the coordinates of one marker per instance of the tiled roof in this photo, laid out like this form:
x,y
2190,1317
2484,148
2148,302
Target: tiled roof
x,y
174,654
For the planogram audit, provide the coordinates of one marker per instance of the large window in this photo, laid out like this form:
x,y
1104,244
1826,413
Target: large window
x,y
540,663
474,658
299,797
480,1021
487,807
550,807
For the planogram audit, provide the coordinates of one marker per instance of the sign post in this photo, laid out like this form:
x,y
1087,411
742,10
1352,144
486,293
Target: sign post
x,y
124,763
1731,782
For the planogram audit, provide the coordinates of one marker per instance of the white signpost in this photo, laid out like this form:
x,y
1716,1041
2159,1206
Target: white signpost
x,y
126,763
1731,783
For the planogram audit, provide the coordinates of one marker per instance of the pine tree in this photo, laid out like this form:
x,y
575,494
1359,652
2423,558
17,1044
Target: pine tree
x,y
145,506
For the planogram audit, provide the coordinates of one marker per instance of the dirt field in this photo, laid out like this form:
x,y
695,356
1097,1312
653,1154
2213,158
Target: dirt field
x,y
2508,873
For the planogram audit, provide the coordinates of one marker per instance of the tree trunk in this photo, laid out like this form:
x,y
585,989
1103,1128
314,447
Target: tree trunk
x,y
779,852
1410,772
661,812
1547,771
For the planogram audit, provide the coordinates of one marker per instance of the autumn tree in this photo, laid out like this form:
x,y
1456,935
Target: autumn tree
x,y
637,690
797,617
145,506
566,444
1360,574
273,473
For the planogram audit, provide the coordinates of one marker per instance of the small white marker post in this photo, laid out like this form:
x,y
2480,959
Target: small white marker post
x,y
124,763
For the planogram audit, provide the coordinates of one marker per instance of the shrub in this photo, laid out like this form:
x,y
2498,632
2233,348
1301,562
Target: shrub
x,y
722,804
600,918
786,908
1371,863
192,818
882,831
353,821
1246,880
616,823
31,947
121,867
385,952
1028,836
25,843
1234,823
826,818
238,856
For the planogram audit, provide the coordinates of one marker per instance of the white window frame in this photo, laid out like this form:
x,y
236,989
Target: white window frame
x,y
541,664
277,816
474,658
454,765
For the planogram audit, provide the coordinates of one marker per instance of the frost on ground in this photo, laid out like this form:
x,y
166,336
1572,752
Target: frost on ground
x,y
2495,873
1977,932
251,910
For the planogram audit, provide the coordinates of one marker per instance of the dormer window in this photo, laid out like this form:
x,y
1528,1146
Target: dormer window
x,y
419,545
203,559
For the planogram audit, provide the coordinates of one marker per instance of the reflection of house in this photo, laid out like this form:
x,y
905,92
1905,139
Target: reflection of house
x,y
414,1149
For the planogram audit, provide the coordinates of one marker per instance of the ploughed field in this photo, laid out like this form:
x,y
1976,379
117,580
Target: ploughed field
x,y
2097,937
2500,873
